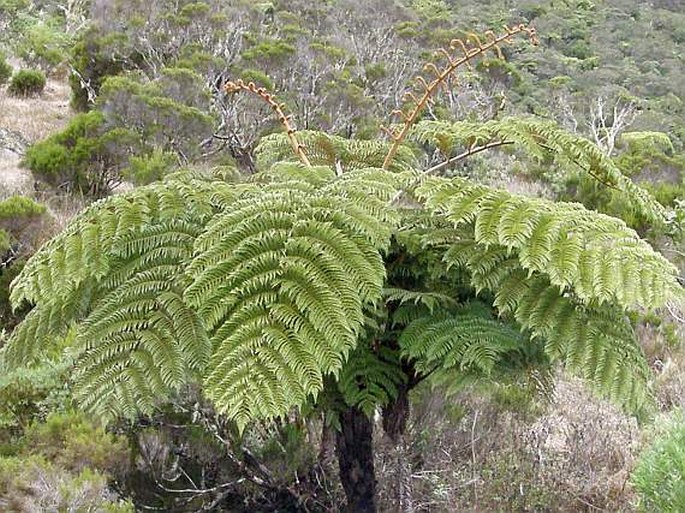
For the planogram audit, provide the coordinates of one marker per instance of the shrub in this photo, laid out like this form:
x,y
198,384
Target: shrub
x,y
73,443
659,476
43,45
84,156
27,82
33,484
5,70
23,220
19,206
149,168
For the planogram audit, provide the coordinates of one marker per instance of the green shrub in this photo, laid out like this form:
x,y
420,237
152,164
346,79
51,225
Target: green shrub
x,y
19,206
5,70
73,443
149,168
5,242
659,477
20,215
43,45
27,82
77,158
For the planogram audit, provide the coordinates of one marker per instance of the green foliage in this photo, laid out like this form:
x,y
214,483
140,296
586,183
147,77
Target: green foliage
x,y
21,221
259,289
27,394
94,58
16,208
370,378
78,157
331,150
659,476
26,82
5,70
43,45
548,144
269,51
146,169
573,247
551,267
467,340
168,114
142,129
5,241
73,443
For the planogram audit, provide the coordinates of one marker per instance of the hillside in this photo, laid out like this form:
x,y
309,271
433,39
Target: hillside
x,y
491,291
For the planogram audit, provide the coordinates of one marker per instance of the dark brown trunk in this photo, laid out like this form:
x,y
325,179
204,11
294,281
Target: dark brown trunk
x,y
396,413
354,448
395,416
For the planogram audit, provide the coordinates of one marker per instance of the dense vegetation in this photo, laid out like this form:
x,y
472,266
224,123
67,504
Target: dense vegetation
x,y
259,318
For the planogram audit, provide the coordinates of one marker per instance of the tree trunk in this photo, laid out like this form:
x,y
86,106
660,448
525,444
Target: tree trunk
x,y
354,448
395,416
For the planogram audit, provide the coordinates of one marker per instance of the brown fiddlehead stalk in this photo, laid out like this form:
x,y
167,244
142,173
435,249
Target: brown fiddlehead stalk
x,y
237,86
460,53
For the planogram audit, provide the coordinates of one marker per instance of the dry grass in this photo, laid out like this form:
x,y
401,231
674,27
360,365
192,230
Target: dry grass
x,y
574,454
36,118
32,119
13,179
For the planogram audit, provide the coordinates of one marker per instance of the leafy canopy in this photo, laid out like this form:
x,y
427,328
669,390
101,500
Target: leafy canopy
x,y
360,269
260,289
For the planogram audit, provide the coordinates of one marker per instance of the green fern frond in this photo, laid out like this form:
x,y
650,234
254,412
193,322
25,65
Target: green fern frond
x,y
281,282
117,272
431,300
596,256
596,343
542,140
371,378
332,151
465,341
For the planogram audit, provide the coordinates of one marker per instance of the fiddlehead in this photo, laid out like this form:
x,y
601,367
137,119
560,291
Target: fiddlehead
x,y
237,86
459,54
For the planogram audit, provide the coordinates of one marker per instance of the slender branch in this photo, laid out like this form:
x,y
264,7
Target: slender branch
x,y
239,85
471,151
428,89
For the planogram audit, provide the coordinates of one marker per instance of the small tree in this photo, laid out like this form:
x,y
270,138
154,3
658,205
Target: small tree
x,y
341,275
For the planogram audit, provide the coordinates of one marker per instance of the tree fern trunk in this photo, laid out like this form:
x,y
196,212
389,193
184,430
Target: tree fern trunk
x,y
354,448
395,416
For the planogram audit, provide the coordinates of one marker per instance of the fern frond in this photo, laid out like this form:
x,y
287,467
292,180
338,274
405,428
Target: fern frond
x,y
596,343
370,378
596,256
117,273
542,140
333,151
465,341
80,254
281,282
